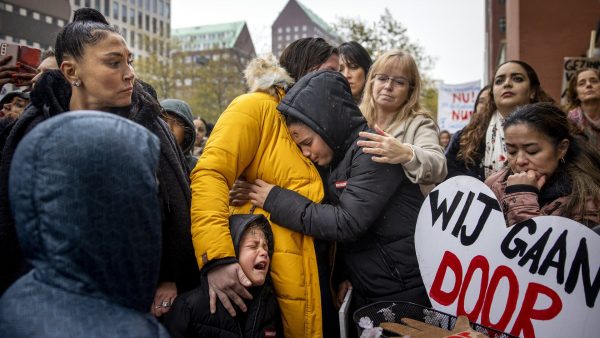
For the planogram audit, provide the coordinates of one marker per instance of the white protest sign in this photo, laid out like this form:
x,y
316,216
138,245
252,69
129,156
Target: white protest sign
x,y
455,105
539,278
570,66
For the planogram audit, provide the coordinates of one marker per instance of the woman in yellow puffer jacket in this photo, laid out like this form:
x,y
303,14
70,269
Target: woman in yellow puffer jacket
x,y
251,140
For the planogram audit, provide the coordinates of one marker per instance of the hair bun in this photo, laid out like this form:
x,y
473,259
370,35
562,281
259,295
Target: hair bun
x,y
89,14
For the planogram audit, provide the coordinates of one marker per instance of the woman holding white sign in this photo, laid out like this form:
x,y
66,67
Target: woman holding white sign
x,y
583,95
478,149
551,170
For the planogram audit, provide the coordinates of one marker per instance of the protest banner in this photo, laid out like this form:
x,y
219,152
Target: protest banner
x,y
538,278
455,105
570,66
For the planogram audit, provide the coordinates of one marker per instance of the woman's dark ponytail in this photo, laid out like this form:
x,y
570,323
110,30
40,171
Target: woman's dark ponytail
x,y
88,28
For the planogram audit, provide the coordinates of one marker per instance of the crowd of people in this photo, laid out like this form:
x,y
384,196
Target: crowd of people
x,y
122,215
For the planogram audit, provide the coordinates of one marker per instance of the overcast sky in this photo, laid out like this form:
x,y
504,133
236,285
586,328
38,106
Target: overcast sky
x,y
451,31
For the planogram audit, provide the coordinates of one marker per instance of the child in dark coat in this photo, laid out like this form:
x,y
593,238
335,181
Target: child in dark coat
x,y
190,313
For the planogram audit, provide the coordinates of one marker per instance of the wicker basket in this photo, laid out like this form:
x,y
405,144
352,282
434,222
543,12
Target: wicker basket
x,y
388,311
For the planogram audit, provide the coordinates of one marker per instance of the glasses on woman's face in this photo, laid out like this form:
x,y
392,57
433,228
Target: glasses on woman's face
x,y
383,79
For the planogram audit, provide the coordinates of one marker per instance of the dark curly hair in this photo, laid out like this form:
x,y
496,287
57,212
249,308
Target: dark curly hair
x,y
474,133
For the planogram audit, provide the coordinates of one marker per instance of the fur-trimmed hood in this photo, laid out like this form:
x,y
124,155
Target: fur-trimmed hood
x,y
264,74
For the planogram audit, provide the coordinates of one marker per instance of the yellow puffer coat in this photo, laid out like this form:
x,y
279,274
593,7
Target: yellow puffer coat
x,y
251,139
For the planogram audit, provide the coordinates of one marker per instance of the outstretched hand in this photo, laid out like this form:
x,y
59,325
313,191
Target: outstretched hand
x,y
259,191
385,147
228,283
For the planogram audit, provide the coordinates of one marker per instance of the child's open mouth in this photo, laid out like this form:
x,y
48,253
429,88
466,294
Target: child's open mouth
x,y
260,266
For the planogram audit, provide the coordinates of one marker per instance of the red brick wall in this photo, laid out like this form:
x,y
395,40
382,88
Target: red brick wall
x,y
543,32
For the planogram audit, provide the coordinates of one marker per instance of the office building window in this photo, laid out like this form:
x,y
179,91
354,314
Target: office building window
x,y
107,8
124,33
279,30
131,16
77,2
124,13
49,19
154,25
115,10
288,29
154,5
162,32
502,25
8,8
140,4
60,23
97,4
131,41
161,7
36,15
296,28
22,12
287,37
88,3
147,22
167,9
140,19
279,37
304,28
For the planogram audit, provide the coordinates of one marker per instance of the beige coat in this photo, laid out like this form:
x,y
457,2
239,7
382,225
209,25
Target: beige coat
x,y
428,165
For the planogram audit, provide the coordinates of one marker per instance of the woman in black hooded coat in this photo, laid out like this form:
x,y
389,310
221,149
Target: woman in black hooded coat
x,y
370,209
54,95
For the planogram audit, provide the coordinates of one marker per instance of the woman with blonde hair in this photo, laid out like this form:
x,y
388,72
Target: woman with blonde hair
x,y
406,134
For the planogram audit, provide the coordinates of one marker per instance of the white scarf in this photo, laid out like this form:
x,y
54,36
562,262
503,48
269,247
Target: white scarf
x,y
495,148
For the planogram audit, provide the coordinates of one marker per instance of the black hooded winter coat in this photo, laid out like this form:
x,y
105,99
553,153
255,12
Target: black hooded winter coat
x,y
84,195
51,97
371,208
190,316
